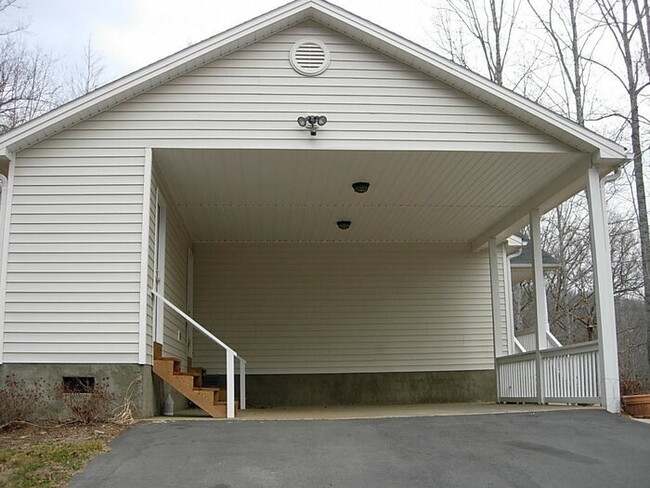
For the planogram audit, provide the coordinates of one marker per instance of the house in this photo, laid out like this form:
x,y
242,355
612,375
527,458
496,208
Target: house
x,y
307,192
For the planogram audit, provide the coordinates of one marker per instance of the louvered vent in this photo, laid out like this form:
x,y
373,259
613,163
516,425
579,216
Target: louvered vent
x,y
309,57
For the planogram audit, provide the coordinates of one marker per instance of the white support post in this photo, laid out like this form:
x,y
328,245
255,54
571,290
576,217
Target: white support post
x,y
510,316
603,294
541,310
496,297
230,383
242,384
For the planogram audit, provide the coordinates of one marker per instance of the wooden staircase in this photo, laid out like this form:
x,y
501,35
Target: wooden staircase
x,y
189,384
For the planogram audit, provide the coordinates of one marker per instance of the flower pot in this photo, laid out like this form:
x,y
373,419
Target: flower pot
x,y
637,405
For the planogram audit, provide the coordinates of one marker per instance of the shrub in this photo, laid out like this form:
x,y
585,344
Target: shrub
x,y
20,401
87,403
632,386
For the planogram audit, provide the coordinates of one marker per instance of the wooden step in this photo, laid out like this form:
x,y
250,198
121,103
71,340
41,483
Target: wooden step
x,y
210,400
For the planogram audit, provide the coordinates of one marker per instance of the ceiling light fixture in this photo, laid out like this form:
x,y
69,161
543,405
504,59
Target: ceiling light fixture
x,y
361,186
312,122
344,224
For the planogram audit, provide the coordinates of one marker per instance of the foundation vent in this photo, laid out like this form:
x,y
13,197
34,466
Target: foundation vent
x,y
309,57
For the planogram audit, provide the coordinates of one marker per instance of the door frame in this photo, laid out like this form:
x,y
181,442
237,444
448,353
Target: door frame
x,y
189,329
159,267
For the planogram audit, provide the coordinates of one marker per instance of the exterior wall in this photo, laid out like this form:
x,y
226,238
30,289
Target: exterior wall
x,y
73,273
333,308
75,236
177,243
251,98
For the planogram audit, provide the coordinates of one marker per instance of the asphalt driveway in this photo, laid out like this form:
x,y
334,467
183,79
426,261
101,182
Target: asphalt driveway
x,y
588,448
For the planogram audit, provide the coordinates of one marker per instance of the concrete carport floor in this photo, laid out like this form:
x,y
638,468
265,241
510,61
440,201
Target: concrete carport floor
x,y
576,448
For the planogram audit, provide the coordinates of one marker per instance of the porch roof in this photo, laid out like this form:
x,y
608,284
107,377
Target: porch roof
x,y
231,195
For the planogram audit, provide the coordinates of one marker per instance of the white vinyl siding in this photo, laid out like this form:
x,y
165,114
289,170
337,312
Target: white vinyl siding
x,y
251,98
177,243
73,274
331,308
73,270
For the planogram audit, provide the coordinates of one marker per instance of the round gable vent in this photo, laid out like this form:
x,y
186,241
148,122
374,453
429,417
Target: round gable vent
x,y
309,57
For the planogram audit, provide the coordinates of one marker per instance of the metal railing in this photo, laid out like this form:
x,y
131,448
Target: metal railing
x,y
230,360
567,374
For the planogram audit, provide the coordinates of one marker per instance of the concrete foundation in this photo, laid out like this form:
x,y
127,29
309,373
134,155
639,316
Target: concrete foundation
x,y
147,391
120,379
366,388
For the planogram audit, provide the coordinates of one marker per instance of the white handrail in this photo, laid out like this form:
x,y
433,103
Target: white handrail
x,y
519,345
193,322
550,337
230,361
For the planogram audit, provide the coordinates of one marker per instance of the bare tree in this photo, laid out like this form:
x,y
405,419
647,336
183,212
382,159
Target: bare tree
x,y
642,13
5,30
489,23
627,30
27,86
573,39
84,77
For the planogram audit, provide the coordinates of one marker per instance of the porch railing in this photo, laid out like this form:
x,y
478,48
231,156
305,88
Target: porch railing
x,y
568,374
527,341
230,360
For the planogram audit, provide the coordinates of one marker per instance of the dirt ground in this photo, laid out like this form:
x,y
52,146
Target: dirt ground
x,y
49,454
27,435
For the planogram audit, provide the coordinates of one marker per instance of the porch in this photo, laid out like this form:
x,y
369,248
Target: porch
x,y
247,244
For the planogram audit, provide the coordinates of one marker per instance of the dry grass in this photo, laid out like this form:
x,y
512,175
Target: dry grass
x,y
48,455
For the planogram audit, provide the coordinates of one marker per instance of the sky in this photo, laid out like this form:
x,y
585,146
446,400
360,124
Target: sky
x,y
130,34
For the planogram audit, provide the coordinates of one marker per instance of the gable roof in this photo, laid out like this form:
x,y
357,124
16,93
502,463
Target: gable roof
x,y
338,20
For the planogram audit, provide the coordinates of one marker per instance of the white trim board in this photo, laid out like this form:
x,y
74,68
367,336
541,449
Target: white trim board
x,y
5,220
159,265
144,257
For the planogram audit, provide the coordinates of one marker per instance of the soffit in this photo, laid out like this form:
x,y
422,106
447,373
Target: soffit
x,y
298,195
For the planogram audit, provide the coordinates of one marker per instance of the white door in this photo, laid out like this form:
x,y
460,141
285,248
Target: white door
x,y
159,268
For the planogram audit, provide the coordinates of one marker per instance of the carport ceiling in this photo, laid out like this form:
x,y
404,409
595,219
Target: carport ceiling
x,y
299,195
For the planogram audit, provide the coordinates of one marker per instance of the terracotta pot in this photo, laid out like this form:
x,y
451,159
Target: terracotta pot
x,y
637,405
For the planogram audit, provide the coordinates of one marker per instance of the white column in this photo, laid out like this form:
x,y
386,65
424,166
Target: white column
x,y
230,383
242,384
510,314
541,310
603,295
539,282
496,299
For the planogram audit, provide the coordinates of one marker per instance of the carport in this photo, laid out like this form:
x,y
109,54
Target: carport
x,y
366,314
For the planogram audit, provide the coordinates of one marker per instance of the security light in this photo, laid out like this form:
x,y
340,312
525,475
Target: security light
x,y
361,186
344,224
312,122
